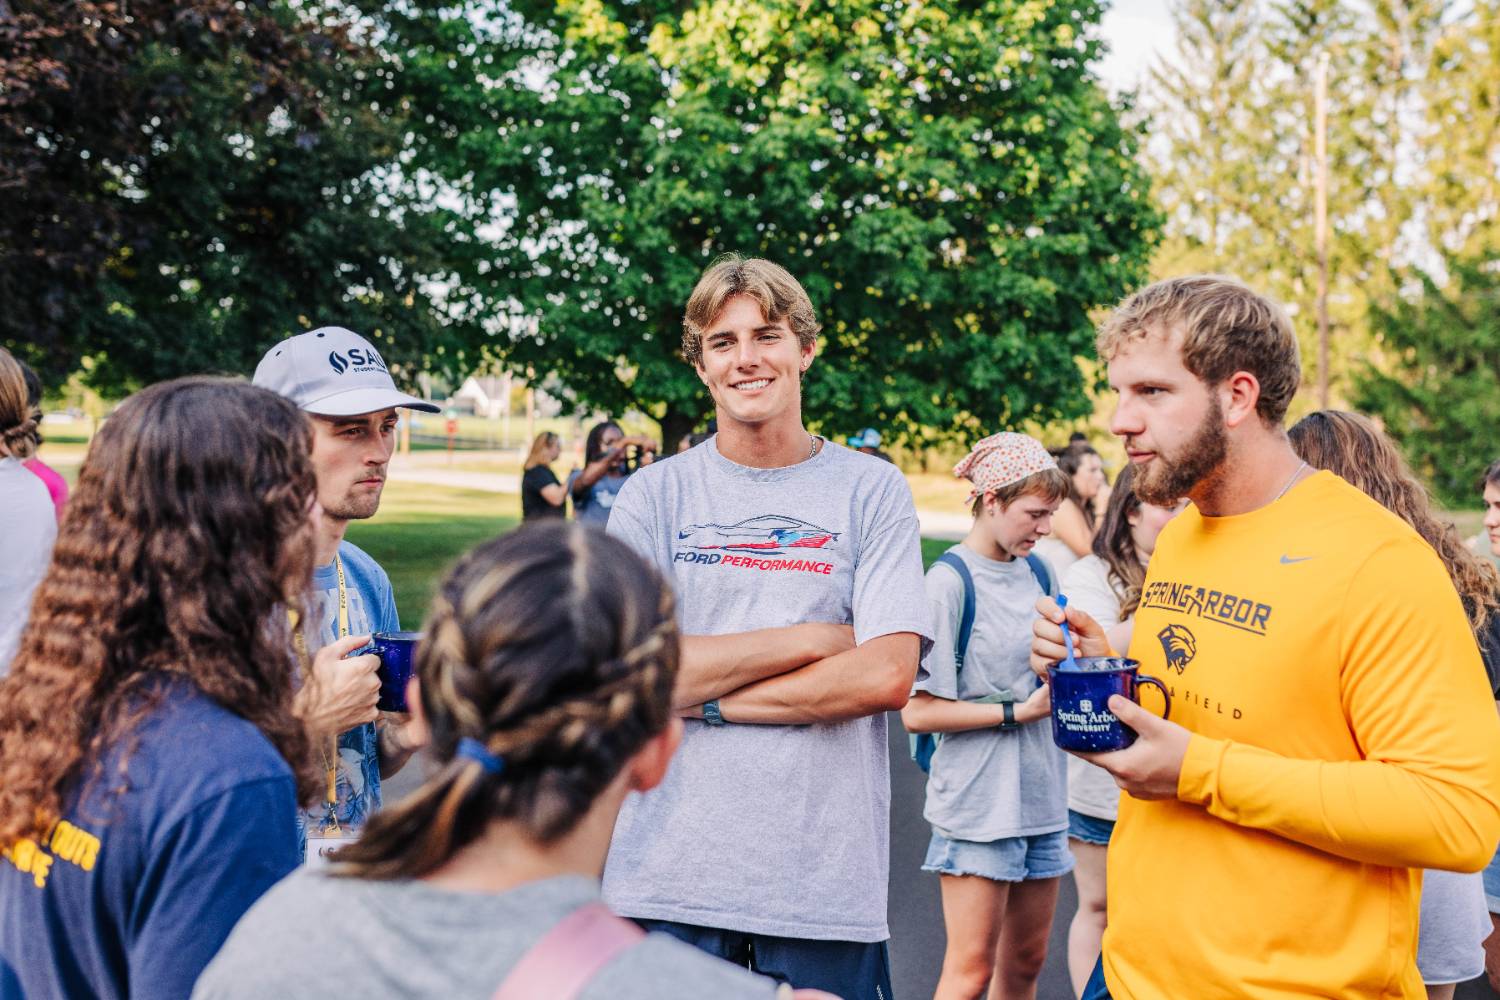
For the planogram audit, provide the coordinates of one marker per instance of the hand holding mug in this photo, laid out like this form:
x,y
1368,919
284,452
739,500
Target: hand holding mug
x,y
1038,705
1047,646
342,690
1150,767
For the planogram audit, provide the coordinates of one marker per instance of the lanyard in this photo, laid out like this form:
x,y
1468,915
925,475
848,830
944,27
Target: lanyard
x,y
329,751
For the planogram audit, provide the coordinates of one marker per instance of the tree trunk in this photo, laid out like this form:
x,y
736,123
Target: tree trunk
x,y
675,425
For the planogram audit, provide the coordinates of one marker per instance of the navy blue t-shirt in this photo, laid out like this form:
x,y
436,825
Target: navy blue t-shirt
x,y
131,895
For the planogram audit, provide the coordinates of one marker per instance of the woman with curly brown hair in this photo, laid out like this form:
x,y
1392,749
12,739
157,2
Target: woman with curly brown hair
x,y
544,691
1454,920
150,765
25,505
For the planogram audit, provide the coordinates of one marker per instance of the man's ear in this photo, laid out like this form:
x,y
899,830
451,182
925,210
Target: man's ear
x,y
1239,395
809,352
649,765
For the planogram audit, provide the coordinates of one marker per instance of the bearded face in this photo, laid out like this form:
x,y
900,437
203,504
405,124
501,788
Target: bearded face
x,y
1171,475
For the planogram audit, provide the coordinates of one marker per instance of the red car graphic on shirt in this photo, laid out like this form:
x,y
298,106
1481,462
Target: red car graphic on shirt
x,y
768,534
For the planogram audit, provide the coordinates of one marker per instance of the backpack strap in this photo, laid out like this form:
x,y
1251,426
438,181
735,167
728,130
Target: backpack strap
x,y
570,955
924,745
966,619
1043,574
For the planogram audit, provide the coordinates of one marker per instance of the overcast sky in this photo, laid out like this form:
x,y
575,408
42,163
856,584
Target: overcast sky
x,y
1136,31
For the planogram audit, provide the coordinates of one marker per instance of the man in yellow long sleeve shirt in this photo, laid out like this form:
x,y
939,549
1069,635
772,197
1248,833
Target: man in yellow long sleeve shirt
x,y
1331,726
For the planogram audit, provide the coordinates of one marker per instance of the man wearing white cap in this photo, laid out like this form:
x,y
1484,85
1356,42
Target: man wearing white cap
x,y
341,382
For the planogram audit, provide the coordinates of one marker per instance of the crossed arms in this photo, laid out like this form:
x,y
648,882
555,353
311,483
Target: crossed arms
x,y
796,675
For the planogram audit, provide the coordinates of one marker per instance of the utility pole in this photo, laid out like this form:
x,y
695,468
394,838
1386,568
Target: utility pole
x,y
1320,148
530,405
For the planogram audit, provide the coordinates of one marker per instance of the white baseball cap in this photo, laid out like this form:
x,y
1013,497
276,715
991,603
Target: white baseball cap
x,y
333,372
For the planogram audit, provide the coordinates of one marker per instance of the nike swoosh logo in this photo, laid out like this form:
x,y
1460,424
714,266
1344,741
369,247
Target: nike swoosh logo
x,y
1288,560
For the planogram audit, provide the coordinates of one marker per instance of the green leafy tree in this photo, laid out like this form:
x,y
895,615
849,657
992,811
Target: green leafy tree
x,y
1460,156
1236,168
1440,393
947,179
188,183
1435,378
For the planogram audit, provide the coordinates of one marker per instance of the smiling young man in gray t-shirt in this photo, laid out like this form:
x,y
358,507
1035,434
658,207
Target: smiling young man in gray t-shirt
x,y
798,572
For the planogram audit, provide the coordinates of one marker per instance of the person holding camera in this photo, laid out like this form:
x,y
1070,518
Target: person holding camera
x,y
609,457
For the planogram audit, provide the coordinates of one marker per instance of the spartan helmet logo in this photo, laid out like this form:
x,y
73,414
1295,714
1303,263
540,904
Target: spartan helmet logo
x,y
337,362
1179,645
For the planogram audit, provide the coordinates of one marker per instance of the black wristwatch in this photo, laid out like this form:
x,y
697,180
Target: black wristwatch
x,y
1009,721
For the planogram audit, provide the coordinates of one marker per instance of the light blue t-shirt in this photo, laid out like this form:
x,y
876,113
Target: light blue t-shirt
x,y
986,784
372,608
594,505
777,830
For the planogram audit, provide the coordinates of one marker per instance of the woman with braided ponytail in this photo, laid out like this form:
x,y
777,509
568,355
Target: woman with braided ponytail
x,y
27,522
543,689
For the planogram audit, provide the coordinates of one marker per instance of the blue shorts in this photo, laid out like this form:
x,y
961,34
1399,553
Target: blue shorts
x,y
843,968
1090,829
1013,859
1492,884
1096,988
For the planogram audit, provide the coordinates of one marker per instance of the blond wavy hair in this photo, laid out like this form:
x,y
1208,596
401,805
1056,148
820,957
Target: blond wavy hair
x,y
1225,328
779,295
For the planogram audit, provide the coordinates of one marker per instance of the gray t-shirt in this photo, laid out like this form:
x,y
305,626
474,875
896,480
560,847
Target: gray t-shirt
x,y
778,830
986,784
1091,789
315,936
28,525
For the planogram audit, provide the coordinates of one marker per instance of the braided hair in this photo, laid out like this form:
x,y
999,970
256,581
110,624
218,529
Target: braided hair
x,y
555,647
19,415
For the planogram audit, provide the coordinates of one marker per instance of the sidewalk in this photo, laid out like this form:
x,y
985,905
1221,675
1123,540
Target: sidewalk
x,y
431,467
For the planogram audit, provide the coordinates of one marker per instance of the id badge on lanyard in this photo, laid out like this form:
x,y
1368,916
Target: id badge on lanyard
x,y
329,836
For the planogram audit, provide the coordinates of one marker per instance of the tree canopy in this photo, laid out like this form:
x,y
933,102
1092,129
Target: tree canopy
x,y
186,183
1439,393
947,180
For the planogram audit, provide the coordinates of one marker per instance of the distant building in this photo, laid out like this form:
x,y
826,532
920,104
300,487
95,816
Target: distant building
x,y
482,395
488,395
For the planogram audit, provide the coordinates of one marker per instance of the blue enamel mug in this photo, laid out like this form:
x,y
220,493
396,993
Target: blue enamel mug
x,y
1081,719
397,652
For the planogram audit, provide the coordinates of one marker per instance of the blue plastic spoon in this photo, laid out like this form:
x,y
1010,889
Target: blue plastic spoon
x,y
1069,663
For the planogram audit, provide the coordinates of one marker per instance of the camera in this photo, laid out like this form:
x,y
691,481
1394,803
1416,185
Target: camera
x,y
634,453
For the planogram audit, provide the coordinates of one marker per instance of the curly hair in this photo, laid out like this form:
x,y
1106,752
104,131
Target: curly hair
x,y
554,646
18,413
1115,543
188,529
1354,449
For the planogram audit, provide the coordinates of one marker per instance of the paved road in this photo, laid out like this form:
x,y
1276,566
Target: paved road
x,y
916,917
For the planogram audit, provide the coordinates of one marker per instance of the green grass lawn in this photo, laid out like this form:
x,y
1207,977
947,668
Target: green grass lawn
x,y
422,529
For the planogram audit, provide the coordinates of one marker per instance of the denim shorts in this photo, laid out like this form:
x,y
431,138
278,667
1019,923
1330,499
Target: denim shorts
x,y
1492,884
1089,829
1013,859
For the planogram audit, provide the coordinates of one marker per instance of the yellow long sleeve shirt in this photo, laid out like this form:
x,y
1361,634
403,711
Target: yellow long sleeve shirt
x,y
1343,736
